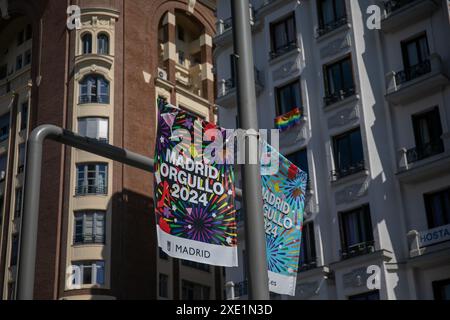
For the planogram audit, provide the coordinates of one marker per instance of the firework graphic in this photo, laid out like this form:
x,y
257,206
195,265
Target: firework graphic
x,y
183,208
283,244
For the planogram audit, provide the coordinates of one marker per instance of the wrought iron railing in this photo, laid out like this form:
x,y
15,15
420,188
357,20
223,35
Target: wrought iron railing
x,y
424,151
325,28
283,50
103,99
339,96
89,239
413,72
393,5
241,289
308,264
91,190
347,171
358,249
230,84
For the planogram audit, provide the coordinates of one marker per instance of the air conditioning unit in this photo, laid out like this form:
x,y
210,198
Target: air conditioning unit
x,y
162,74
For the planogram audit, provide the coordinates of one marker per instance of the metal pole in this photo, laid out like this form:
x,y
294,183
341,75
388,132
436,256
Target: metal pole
x,y
30,217
252,195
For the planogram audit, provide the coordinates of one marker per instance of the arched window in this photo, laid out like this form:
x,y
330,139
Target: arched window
x,y
103,44
94,89
87,43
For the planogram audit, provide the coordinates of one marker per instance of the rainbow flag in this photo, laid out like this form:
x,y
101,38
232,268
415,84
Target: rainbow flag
x,y
288,120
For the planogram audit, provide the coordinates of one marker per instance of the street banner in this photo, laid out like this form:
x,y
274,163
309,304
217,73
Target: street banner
x,y
194,196
284,204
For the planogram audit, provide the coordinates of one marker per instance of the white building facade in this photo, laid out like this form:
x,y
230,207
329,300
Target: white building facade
x,y
374,138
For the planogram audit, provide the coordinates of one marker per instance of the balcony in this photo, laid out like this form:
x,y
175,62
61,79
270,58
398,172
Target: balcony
x,y
326,28
290,47
359,249
339,96
420,153
424,162
241,289
422,241
417,81
88,239
307,265
401,13
226,95
341,173
224,27
91,190
90,99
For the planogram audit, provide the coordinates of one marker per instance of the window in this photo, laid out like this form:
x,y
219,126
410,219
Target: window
x,y
441,290
3,71
27,57
89,227
20,37
193,291
308,249
92,179
339,82
438,208
95,128
87,43
163,255
181,57
4,127
195,265
348,154
300,159
3,162
28,32
427,132
332,15
415,51
18,203
14,250
94,89
289,97
21,163
103,44
284,36
163,286
24,116
180,32
92,273
416,59
368,296
356,232
19,62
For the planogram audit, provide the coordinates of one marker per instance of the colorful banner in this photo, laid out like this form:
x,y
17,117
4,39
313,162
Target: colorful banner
x,y
288,120
195,209
284,203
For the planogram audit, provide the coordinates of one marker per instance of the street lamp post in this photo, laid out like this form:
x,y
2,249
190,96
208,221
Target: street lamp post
x,y
252,195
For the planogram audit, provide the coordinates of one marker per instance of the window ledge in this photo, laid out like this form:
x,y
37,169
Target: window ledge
x,y
289,54
102,60
88,245
344,102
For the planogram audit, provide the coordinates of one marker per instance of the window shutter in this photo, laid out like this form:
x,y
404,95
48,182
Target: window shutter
x,y
103,129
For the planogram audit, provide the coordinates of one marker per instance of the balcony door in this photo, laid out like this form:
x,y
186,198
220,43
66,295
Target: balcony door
x,y
428,133
415,51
